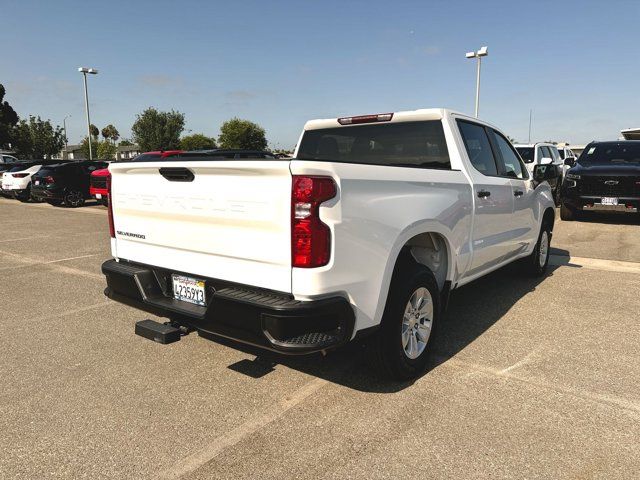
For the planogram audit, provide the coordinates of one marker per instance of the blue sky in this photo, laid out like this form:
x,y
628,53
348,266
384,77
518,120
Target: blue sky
x,y
280,63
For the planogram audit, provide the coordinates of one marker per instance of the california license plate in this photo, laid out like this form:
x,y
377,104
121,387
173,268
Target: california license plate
x,y
36,182
189,289
609,201
99,196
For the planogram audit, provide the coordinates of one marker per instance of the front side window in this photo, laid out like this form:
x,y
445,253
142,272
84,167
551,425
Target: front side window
x,y
511,162
478,148
561,153
402,144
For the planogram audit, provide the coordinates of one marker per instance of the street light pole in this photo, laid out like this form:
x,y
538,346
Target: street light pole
x,y
84,71
483,52
66,139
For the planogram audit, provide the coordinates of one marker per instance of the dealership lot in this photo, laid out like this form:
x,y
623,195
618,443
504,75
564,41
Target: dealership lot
x,y
532,378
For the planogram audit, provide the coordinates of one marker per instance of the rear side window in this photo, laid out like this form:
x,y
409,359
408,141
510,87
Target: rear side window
x,y
403,144
478,148
526,153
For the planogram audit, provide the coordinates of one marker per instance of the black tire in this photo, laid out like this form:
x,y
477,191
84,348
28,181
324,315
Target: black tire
x,y
105,202
55,203
73,199
25,196
566,213
390,355
533,264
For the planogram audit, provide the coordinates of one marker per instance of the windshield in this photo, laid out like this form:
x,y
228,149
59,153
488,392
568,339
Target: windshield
x,y
526,153
404,144
607,153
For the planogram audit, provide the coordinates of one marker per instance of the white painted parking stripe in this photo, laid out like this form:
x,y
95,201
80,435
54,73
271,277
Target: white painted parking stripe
x,y
630,406
595,264
51,264
235,436
33,237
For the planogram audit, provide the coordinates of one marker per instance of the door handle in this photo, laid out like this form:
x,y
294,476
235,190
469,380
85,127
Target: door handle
x,y
518,193
484,194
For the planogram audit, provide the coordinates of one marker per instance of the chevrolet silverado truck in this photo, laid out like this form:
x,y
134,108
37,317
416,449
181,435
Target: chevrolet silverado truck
x,y
365,231
605,178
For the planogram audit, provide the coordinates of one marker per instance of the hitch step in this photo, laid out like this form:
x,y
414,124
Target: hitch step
x,y
158,332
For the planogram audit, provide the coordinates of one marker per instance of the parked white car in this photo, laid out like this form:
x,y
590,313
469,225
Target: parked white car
x,y
17,182
364,232
543,154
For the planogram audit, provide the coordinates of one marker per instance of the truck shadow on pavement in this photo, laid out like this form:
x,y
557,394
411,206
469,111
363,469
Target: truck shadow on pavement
x,y
609,218
473,309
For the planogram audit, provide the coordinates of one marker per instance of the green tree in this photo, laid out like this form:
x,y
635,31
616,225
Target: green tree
x,y
197,141
37,138
8,120
94,132
125,142
154,130
237,133
110,133
106,150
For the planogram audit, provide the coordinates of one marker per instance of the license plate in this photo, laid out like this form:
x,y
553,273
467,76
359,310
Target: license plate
x,y
188,289
37,182
99,196
609,201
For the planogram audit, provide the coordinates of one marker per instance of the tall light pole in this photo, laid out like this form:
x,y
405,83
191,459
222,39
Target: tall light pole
x,y
66,139
483,52
84,71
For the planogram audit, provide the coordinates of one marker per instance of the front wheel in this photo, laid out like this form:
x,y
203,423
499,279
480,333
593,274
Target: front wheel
x,y
73,199
566,213
403,342
536,264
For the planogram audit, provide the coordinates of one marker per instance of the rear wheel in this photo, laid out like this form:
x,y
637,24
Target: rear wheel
x,y
25,196
402,344
73,199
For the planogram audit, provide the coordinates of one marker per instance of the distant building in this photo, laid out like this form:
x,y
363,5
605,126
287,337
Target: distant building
x,y
127,152
74,152
70,152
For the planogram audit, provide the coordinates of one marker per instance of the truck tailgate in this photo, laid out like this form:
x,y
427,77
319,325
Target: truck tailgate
x,y
232,221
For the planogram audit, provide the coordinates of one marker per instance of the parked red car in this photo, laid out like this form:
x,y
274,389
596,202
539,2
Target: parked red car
x,y
98,182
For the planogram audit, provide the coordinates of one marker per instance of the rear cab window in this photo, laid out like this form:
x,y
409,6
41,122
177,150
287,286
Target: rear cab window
x,y
402,144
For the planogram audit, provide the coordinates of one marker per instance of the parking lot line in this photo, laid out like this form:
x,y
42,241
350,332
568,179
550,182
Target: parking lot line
x,y
235,436
51,264
595,263
631,407
34,237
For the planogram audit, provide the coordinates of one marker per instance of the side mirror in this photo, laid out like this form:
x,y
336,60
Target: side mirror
x,y
570,161
544,172
546,161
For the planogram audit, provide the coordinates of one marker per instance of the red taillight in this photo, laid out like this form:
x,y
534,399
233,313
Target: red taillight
x,y
19,175
310,238
379,117
112,230
48,179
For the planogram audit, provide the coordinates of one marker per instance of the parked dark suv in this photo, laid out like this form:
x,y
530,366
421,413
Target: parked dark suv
x,y
606,177
66,183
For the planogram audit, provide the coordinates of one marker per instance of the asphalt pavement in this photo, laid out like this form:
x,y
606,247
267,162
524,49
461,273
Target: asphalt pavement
x,y
530,378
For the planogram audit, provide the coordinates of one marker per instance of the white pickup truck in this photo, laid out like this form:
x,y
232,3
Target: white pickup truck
x,y
365,231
